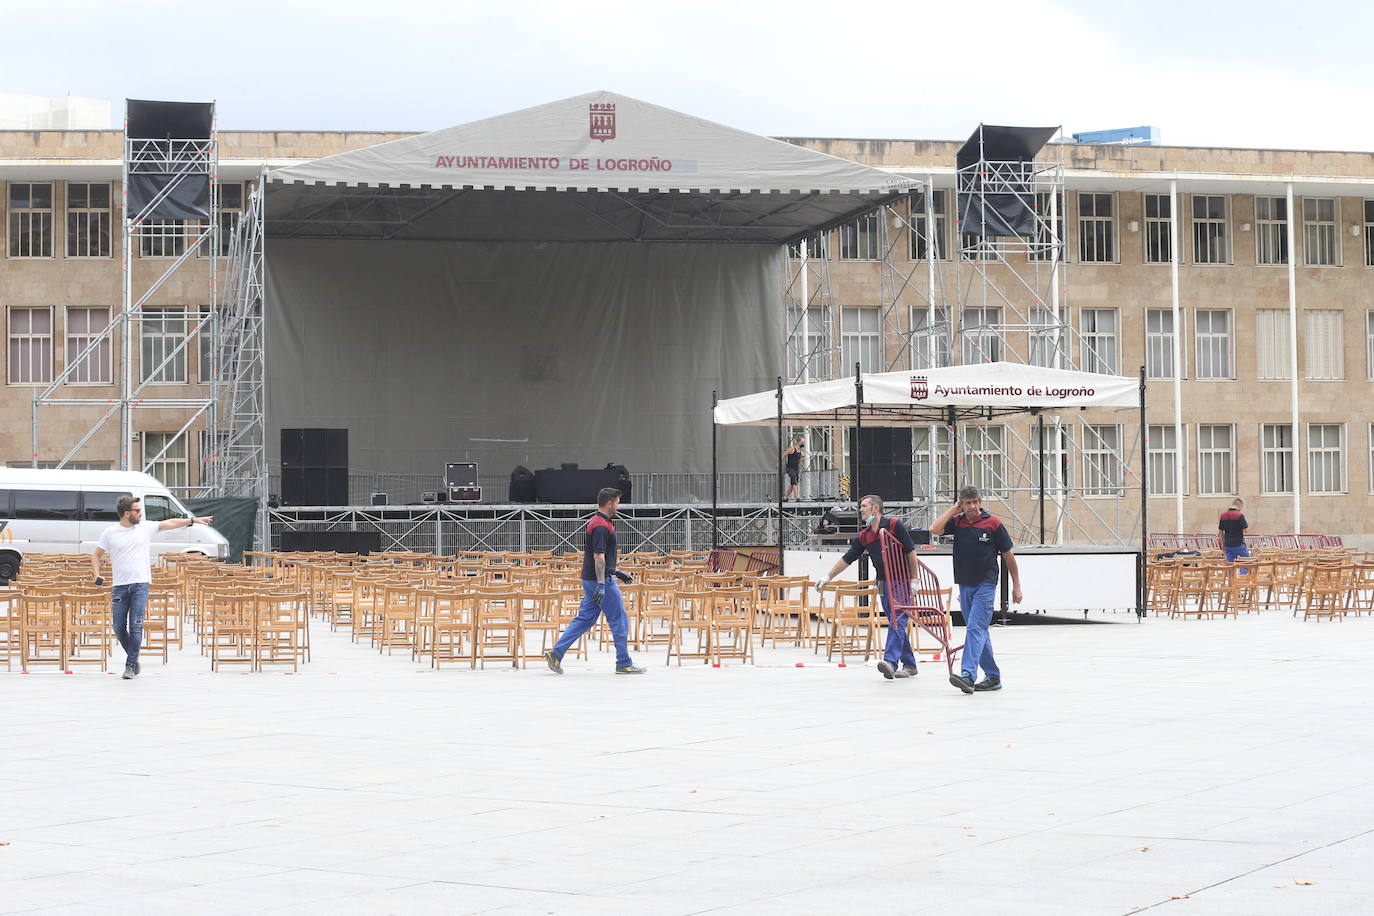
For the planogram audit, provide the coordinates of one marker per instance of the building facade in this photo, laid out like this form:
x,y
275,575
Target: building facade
x,y
1214,269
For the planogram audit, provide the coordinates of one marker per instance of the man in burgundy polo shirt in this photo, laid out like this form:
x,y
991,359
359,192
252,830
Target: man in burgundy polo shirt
x,y
979,539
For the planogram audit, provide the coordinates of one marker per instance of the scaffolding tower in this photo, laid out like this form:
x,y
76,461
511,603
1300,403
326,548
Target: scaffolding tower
x,y
171,208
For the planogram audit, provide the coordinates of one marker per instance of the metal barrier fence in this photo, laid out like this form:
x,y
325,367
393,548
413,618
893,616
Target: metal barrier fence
x,y
451,528
408,489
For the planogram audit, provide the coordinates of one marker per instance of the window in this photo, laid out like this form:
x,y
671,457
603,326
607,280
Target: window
x,y
100,507
808,347
931,463
1163,446
1371,463
164,456
860,340
1159,343
69,466
5,504
31,214
1096,228
1319,239
859,239
977,248
1369,233
46,505
1216,464
939,202
1102,461
930,342
162,238
160,508
29,350
1271,230
1098,334
1325,458
978,330
1321,344
205,340
84,327
88,219
814,248
231,196
1369,343
1045,246
1046,338
1213,335
1276,458
1159,238
1209,230
986,459
1057,452
1272,356
160,331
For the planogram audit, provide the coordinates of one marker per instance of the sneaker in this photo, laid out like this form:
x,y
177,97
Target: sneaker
x,y
886,670
630,669
906,672
962,681
129,673
138,669
989,683
555,663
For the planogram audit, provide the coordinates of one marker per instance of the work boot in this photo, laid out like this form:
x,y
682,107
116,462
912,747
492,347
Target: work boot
x,y
906,672
555,663
886,670
991,682
630,669
962,681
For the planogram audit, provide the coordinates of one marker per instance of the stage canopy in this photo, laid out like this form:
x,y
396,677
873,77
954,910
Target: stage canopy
x,y
598,167
485,293
912,398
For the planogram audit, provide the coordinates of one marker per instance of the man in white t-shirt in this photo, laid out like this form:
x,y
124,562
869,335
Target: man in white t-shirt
x,y
129,547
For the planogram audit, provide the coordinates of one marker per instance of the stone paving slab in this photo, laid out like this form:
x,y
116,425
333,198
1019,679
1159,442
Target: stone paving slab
x,y
1170,766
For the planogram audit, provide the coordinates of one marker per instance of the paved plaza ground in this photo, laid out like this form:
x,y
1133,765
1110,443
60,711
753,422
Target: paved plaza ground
x,y
1217,767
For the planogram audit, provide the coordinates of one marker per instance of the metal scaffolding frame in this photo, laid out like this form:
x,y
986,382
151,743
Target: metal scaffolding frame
x,y
179,160
1025,278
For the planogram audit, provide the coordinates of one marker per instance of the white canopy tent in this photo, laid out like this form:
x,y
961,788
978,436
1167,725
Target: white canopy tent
x,y
945,396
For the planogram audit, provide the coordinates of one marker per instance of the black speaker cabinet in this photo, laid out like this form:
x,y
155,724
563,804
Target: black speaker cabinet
x,y
884,461
341,541
314,467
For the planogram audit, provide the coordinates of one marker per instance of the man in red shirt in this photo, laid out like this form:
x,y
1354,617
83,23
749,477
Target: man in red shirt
x,y
1232,525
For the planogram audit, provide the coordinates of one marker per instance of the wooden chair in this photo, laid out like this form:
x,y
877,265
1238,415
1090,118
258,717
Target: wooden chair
x,y
396,618
162,621
231,626
730,624
1326,592
496,624
855,621
538,617
281,618
452,622
88,627
783,599
9,625
42,639
690,613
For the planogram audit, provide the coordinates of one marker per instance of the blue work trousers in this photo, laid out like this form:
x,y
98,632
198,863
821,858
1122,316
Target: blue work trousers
x,y
613,606
898,648
976,603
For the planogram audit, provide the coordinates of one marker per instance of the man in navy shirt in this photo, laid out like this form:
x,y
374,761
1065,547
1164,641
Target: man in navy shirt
x,y
979,539
898,648
1232,525
600,592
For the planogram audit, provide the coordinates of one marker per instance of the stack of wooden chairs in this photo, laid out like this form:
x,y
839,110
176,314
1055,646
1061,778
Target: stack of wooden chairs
x,y
1326,583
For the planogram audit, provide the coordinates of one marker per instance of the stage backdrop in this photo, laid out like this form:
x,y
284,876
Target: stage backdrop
x,y
519,353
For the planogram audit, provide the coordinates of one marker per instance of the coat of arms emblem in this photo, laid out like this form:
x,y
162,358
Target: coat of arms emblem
x,y
602,118
919,389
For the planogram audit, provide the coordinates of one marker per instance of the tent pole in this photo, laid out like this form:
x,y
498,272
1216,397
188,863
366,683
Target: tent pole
x,y
715,475
781,539
952,419
1144,506
857,451
1040,454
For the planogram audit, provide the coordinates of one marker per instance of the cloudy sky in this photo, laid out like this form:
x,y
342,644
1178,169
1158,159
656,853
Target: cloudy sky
x,y
1262,73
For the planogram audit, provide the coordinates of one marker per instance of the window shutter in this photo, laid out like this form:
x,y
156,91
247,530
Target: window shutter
x,y
1322,344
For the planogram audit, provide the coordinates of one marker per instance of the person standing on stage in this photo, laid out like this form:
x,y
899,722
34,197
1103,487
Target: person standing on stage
x,y
129,545
1231,526
793,457
898,649
600,590
979,539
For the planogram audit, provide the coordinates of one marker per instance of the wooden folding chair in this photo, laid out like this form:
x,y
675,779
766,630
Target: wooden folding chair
x,y
88,627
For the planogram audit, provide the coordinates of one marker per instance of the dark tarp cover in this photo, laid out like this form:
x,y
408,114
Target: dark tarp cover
x,y
188,194
1000,202
188,198
235,518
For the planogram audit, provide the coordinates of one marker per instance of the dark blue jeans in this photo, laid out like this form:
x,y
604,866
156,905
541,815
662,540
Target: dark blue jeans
x,y
898,648
130,601
613,607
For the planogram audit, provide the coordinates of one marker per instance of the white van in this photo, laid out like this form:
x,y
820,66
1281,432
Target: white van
x,y
65,511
